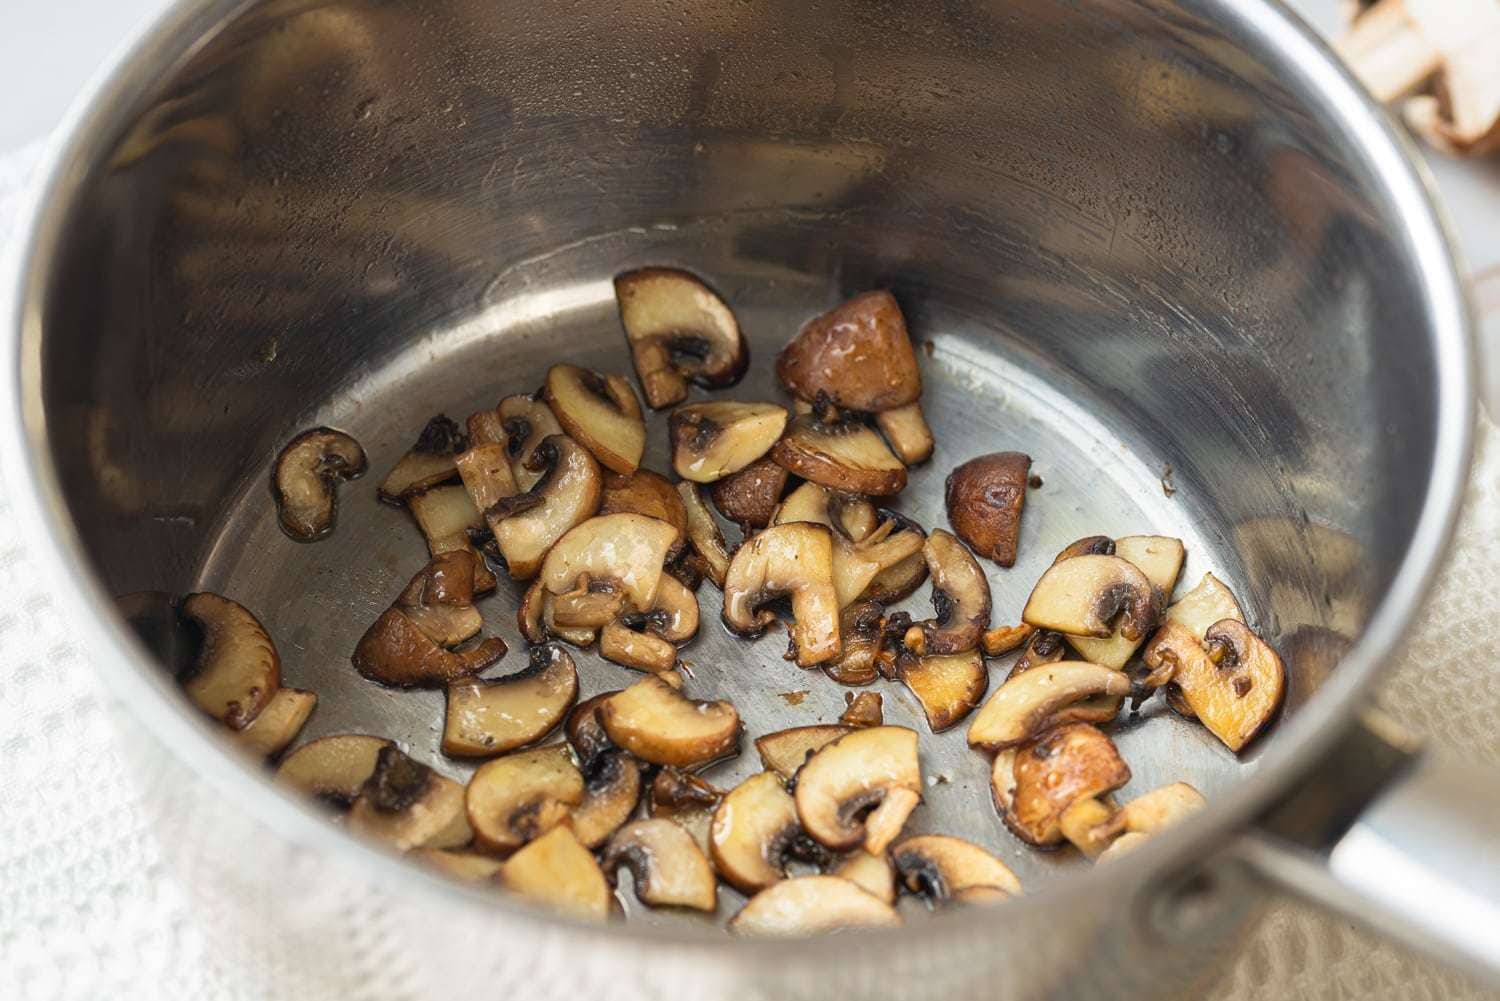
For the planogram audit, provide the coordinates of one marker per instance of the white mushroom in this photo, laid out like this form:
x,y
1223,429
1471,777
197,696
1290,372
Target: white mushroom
x,y
306,479
679,331
237,670
795,560
859,789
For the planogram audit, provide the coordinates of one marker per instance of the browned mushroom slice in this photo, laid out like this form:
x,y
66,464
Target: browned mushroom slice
x,y
1086,823
611,789
278,724
713,440
685,799
984,498
1047,647
1160,559
864,709
592,605
841,455
333,769
584,730
538,623
940,868
948,686
395,652
1086,595
520,796
874,770
527,422
486,475
785,751
1043,647
556,871
871,873
796,560
1092,825
753,832
447,515
650,494
306,479
749,498
405,804
1237,687
860,633
485,718
906,431
703,532
1067,764
669,869
1211,601
857,354
237,670
679,331
672,619
865,545
526,526
439,600
430,461
657,723
898,582
466,866
1003,639
1029,703
627,549
812,905
601,413
960,596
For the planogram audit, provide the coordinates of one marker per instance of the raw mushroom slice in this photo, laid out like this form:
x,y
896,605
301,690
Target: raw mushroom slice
x,y
612,784
1092,825
650,494
520,796
749,498
556,871
1236,689
960,596
306,478
465,866
713,440
485,718
405,805
1029,703
527,422
753,831
679,331
812,905
948,686
906,431
862,710
874,770
785,751
796,560
278,724
703,532
332,769
1069,763
1091,595
871,873
1160,559
669,869
627,549
657,723
858,354
984,498
842,455
860,635
685,799
940,868
237,670
429,462
537,621
601,413
526,526
1003,639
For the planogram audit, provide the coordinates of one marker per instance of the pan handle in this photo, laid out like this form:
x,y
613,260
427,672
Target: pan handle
x,y
1396,837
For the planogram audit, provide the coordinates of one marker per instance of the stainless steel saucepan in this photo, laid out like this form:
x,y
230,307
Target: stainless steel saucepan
x,y
1133,235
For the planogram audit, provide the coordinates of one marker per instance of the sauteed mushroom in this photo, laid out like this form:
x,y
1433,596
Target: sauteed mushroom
x,y
1237,691
447,515
685,799
906,431
811,905
306,479
749,497
485,718
1084,595
526,526
1033,785
672,619
871,873
785,751
600,412
1092,825
960,595
527,422
657,723
237,670
668,868
332,769
429,462
984,498
626,549
948,686
406,805
857,354
520,796
679,331
864,709
754,830
713,440
612,783
703,532
557,871
795,559
650,494
278,724
859,789
1028,703
842,455
940,867
1159,558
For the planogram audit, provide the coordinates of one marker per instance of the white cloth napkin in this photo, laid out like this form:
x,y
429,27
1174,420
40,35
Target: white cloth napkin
x,y
89,911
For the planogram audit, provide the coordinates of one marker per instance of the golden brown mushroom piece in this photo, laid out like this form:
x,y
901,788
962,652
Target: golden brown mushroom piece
x,y
485,718
785,751
465,866
405,804
648,640
612,783
960,596
812,905
841,455
864,709
600,412
749,498
984,498
537,620
668,868
332,769
556,871
1237,687
871,873
948,686
278,724
1160,559
713,440
527,422
859,789
1029,703
860,628
906,431
796,560
940,868
306,478
866,543
657,723
1034,784
650,494
627,550
520,796
685,799
527,525
237,670
1093,824
1091,595
429,462
857,354
1003,639
1047,647
704,535
679,331
755,830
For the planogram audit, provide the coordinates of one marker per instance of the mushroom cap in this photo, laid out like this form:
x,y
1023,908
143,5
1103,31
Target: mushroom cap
x,y
753,829
984,498
941,867
843,455
1028,703
657,723
520,796
558,872
716,439
600,412
629,549
485,718
795,559
679,330
812,905
669,868
1083,595
237,669
858,354
874,769
749,497
306,476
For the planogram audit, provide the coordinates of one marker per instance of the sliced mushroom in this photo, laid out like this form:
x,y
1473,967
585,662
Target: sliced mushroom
x,y
306,479
278,724
486,475
668,868
527,422
396,650
679,331
558,872
466,866
628,549
984,498
795,560
590,606
860,636
1003,639
897,582
703,532
333,769
520,796
859,789
685,799
585,732
439,600
1047,647
1093,825
429,462
650,494
485,718
601,413
749,498
785,751
871,873
672,619
1089,545
948,686
611,789
864,709
1029,703
940,867
1211,601
447,515
405,804
657,723
1123,845
1237,687
960,596
858,354
1086,823
753,832
1043,647
237,670
812,905
906,431
713,440
538,623
567,495
865,545
1069,763
841,455
1090,595
1160,559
